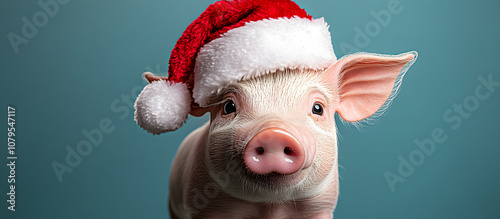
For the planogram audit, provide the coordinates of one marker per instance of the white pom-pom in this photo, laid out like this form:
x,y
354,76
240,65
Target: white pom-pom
x,y
162,106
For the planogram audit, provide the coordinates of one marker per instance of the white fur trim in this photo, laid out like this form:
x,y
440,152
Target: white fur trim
x,y
162,106
259,48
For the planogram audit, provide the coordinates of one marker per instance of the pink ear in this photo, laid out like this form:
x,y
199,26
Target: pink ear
x,y
151,77
363,82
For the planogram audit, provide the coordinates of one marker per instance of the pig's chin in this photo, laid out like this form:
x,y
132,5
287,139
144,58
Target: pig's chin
x,y
268,188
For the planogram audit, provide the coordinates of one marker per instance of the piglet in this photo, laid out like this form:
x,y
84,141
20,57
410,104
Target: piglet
x,y
267,74
270,147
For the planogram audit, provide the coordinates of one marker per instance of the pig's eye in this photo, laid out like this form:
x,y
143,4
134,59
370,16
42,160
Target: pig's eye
x,y
317,109
229,107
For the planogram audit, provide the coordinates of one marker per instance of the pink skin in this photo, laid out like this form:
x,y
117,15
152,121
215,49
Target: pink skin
x,y
220,170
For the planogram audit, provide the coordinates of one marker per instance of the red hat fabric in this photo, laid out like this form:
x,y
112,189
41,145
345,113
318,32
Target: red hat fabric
x,y
216,20
232,41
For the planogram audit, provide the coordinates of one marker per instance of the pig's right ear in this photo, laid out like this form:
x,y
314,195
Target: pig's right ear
x,y
150,77
198,111
363,83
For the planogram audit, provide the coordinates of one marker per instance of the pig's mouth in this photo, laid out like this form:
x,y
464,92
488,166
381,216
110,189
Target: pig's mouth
x,y
274,180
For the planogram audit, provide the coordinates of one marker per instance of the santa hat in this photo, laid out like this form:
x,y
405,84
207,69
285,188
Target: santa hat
x,y
229,42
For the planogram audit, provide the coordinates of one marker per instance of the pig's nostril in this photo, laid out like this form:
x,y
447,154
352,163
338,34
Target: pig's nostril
x,y
259,150
288,151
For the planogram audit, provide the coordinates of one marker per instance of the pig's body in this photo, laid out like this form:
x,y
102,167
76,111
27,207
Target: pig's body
x,y
270,148
189,173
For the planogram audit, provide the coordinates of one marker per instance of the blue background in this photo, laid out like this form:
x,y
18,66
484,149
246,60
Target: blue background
x,y
91,54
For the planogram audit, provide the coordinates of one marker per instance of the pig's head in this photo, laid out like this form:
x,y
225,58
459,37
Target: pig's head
x,y
275,137
272,138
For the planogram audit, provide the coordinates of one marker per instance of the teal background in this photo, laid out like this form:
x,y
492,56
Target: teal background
x,y
91,54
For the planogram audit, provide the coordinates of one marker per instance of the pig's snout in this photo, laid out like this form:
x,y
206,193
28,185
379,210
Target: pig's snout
x,y
274,150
